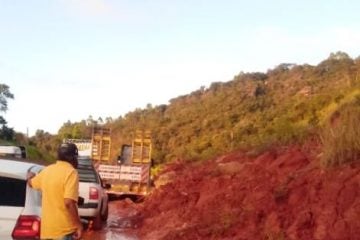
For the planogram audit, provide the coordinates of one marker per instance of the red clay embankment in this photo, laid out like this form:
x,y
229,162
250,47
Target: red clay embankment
x,y
281,194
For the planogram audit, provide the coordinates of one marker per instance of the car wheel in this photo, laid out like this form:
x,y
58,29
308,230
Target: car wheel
x,y
104,216
96,222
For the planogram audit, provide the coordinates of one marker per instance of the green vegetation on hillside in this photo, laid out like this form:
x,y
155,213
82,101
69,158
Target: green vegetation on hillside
x,y
341,135
254,110
282,106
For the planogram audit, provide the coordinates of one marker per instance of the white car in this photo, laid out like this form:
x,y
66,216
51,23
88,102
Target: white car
x,y
93,192
12,151
20,205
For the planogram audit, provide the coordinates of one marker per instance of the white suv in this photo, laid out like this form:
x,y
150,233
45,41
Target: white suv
x,y
93,191
20,205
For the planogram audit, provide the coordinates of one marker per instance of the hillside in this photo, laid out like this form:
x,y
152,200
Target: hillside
x,y
254,110
270,156
289,169
280,194
281,106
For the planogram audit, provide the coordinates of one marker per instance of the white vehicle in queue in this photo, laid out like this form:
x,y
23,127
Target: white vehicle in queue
x,y
20,205
95,205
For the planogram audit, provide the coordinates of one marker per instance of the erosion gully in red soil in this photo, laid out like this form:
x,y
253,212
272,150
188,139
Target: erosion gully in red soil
x,y
280,194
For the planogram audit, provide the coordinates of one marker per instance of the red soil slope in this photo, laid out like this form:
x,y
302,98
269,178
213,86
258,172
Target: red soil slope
x,y
281,194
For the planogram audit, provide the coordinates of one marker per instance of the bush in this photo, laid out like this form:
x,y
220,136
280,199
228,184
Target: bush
x,y
34,154
341,135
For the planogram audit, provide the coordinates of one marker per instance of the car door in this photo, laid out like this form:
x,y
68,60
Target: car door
x,y
12,202
17,198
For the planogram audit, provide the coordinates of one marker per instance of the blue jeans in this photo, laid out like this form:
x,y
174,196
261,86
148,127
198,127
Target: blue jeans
x,y
66,237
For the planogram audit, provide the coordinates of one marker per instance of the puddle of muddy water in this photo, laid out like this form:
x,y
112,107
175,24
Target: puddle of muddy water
x,y
108,235
120,229
121,225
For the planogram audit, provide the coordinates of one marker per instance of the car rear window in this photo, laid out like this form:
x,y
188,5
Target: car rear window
x,y
12,192
87,174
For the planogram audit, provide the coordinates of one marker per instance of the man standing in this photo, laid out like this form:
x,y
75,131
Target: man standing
x,y
59,184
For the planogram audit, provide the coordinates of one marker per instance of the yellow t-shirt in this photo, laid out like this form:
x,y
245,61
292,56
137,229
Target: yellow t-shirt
x,y
56,182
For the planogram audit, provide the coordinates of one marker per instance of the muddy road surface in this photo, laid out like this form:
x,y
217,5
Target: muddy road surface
x,y
122,224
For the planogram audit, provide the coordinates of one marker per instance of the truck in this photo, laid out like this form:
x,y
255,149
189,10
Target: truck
x,y
128,174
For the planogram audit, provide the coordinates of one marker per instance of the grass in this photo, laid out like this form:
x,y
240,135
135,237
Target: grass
x,y
341,135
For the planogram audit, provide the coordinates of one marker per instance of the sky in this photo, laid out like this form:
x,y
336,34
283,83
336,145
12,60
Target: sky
x,y
66,60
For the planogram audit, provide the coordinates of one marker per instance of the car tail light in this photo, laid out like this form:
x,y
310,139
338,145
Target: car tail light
x,y
27,227
94,193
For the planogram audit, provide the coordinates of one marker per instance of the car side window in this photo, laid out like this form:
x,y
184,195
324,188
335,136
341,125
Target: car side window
x,y
13,192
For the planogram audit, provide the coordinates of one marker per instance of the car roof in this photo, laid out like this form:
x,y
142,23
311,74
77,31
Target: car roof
x,y
16,169
10,149
84,162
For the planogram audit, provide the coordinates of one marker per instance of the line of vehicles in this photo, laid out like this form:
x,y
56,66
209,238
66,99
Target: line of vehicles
x,y
99,177
128,175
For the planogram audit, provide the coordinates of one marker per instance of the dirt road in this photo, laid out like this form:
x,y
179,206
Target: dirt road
x,y
121,225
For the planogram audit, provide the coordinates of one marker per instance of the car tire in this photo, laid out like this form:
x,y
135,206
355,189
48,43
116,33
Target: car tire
x,y
104,216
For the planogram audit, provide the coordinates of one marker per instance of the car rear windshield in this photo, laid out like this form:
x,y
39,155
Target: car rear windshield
x,y
12,192
87,174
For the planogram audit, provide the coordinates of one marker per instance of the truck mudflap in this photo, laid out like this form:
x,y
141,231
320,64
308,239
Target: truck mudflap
x,y
135,191
136,198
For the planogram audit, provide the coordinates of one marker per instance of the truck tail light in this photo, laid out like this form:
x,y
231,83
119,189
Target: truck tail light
x,y
27,227
94,193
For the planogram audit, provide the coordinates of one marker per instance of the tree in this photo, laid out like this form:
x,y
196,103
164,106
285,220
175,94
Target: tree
x,y
5,94
108,120
7,133
90,121
339,55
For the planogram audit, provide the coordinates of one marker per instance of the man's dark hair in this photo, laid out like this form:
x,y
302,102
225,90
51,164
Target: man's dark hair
x,y
67,152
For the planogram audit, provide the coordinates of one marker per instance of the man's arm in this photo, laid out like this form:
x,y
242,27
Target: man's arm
x,y
71,206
